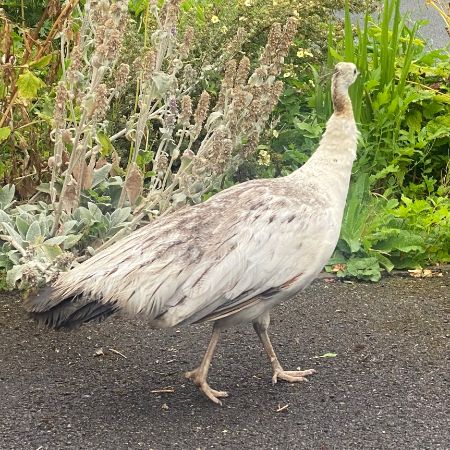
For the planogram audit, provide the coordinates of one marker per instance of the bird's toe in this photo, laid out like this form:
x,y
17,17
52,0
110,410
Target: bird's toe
x,y
292,376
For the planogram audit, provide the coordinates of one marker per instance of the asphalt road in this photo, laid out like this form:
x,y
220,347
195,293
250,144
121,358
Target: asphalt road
x,y
434,31
388,387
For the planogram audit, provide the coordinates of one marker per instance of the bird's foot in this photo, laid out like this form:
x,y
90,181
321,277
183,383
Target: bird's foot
x,y
196,376
291,376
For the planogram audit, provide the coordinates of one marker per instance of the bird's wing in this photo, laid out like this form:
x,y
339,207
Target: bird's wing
x,y
209,259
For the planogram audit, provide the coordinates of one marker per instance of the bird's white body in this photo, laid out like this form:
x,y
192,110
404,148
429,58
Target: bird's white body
x,y
228,260
208,262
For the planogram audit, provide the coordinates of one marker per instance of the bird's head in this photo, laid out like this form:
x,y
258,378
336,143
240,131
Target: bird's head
x,y
345,74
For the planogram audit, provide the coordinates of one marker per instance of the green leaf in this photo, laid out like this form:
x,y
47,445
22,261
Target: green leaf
x,y
22,225
4,133
120,215
57,240
12,232
100,174
50,251
105,143
137,6
414,120
42,62
71,240
28,84
33,232
14,275
162,82
328,355
6,196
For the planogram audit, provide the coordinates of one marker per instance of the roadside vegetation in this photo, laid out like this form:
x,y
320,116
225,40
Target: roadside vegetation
x,y
114,113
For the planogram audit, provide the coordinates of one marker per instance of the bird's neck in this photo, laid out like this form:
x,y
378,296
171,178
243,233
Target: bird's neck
x,y
330,166
342,104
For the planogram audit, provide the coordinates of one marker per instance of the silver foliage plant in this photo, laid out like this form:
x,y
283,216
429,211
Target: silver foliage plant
x,y
197,145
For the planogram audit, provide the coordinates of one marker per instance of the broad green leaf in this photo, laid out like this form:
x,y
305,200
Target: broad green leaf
x,y
50,251
42,62
95,211
14,275
100,174
71,240
4,133
137,6
4,217
6,195
57,240
12,232
33,232
22,226
120,215
28,84
69,225
105,143
162,82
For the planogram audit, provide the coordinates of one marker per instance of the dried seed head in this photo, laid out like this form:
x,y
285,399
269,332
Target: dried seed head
x,y
160,165
62,96
250,147
122,75
202,109
242,72
100,102
171,18
64,260
227,83
148,64
66,136
236,43
189,75
53,8
30,276
187,42
134,183
99,12
272,44
186,110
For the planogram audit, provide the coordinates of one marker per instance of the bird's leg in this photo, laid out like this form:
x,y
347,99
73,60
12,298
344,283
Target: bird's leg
x,y
200,374
261,324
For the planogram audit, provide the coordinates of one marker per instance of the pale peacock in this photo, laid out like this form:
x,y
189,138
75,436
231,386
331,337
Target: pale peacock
x,y
228,260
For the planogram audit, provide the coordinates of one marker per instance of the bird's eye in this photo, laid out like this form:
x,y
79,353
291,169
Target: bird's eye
x,y
354,71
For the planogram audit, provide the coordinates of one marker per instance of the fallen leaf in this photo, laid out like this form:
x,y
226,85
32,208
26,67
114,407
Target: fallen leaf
x,y
424,273
338,267
327,355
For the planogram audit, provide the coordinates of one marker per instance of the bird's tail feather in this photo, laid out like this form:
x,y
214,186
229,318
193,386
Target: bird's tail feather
x,y
69,313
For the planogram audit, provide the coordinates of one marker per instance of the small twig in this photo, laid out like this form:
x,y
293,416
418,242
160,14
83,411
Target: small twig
x,y
282,408
163,391
117,352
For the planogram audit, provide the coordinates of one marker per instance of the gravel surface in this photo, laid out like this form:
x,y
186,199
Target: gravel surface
x,y
387,387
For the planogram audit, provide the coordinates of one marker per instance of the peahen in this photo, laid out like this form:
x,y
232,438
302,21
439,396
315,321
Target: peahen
x,y
228,260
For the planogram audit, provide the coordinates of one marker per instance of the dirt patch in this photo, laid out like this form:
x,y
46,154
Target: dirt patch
x,y
387,387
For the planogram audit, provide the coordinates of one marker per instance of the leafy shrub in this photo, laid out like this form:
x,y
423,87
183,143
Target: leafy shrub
x,y
30,254
402,104
182,154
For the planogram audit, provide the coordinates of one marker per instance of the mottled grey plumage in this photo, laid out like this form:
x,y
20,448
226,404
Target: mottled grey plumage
x,y
228,260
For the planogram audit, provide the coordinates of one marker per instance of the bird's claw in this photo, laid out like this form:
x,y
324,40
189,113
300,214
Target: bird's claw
x,y
204,387
291,376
